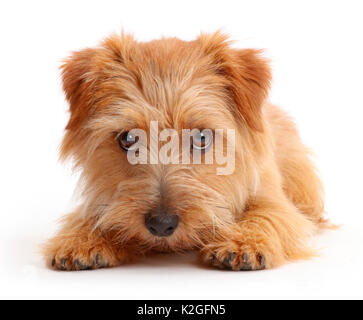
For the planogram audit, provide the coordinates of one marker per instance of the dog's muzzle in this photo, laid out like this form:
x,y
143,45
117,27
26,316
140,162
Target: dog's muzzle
x,y
162,224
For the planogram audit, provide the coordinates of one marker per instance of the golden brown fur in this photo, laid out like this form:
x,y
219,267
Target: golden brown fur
x,y
259,216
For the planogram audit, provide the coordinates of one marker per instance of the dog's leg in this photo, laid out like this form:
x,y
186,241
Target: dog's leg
x,y
271,232
300,181
79,246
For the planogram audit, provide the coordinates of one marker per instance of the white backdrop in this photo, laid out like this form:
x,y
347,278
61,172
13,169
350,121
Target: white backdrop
x,y
316,50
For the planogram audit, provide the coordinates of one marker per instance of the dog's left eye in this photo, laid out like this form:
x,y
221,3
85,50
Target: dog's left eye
x,y
126,140
202,140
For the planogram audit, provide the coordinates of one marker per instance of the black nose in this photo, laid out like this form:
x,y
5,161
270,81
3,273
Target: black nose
x,y
162,225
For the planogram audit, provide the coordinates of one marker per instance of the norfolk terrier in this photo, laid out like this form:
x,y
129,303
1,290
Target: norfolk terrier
x,y
179,149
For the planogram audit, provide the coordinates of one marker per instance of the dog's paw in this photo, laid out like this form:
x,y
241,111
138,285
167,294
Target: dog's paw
x,y
74,254
77,262
232,256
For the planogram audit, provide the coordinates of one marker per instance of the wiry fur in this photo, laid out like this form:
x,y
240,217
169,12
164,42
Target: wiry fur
x,y
267,208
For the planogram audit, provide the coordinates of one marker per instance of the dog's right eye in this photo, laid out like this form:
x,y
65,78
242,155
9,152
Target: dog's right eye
x,y
126,140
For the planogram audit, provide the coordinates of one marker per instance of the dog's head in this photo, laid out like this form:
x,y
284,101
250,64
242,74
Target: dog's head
x,y
125,85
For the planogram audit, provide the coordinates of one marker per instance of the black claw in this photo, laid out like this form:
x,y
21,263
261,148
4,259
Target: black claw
x,y
96,260
262,262
53,262
63,263
245,258
76,263
231,258
214,259
246,266
228,262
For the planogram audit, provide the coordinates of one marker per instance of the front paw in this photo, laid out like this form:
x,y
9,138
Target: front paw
x,y
233,256
75,254
77,262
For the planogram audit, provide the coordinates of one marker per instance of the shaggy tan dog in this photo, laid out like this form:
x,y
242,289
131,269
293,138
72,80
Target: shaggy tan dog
x,y
260,216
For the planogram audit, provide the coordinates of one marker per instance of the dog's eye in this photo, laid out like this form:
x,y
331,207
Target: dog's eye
x,y
202,139
126,140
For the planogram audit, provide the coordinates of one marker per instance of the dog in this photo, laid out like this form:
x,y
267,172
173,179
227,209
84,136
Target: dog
x,y
258,216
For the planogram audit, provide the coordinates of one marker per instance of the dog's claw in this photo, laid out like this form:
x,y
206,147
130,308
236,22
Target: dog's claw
x,y
246,265
53,262
231,258
96,260
262,262
245,258
214,259
76,264
63,262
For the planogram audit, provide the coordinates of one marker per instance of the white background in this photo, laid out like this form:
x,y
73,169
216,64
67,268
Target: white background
x,y
317,53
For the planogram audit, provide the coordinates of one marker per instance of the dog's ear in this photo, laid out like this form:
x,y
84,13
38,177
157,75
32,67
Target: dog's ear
x,y
248,76
78,82
82,71
83,74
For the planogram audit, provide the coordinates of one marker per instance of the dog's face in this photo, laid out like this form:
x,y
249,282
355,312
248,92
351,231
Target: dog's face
x,y
125,85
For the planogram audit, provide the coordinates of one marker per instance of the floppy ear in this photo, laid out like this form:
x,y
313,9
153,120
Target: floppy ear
x,y
78,83
248,76
83,69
